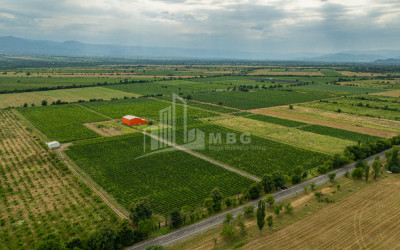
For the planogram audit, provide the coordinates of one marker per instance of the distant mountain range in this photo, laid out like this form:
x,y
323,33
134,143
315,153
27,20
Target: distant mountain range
x,y
24,47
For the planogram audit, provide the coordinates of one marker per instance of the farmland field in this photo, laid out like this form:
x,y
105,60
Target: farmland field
x,y
341,88
38,193
62,122
170,179
65,95
258,99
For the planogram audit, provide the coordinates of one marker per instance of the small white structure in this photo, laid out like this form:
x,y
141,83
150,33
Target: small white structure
x,y
53,144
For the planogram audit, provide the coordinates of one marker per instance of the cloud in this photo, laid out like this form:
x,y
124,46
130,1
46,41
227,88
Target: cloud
x,y
254,25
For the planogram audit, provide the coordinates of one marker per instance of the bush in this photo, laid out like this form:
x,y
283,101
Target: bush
x,y
247,210
358,173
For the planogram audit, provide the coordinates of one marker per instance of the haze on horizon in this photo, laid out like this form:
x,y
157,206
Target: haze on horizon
x,y
285,26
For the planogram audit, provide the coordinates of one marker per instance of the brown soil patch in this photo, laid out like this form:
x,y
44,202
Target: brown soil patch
x,y
103,129
295,117
349,73
392,93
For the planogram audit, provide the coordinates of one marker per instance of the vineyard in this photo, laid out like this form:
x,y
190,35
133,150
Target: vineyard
x,y
38,193
341,88
170,179
62,123
275,120
258,99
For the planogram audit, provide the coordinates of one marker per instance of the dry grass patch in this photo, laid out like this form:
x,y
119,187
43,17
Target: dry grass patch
x,y
109,128
349,73
332,119
392,93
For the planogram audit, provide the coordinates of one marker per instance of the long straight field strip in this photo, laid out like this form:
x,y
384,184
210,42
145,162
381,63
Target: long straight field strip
x,y
359,124
340,133
288,135
170,179
341,88
275,120
259,155
371,108
62,122
258,99
330,72
66,95
38,194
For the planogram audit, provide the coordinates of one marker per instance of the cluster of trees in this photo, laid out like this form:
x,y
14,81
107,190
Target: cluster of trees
x,y
362,151
362,169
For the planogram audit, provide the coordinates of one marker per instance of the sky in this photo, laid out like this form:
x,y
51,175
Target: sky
x,y
284,26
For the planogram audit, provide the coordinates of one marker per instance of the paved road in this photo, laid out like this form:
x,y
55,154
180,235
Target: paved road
x,y
213,221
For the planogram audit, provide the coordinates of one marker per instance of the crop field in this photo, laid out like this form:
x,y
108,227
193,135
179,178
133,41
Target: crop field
x,y
258,157
330,72
62,122
274,120
268,72
38,193
170,179
65,95
258,99
322,143
341,88
23,83
372,108
390,93
372,126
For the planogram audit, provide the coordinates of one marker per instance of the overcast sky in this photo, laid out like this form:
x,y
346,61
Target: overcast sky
x,y
284,26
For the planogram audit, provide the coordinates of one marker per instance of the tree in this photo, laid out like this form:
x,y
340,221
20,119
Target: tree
x,y
361,164
339,161
254,191
297,174
305,189
269,199
247,210
105,238
125,235
270,221
140,210
228,218
176,218
332,176
318,195
289,208
146,227
267,183
50,242
358,173
217,199
228,202
367,173
261,215
290,106
209,204
376,167
228,231
393,161
44,103
312,186
279,179
25,105
277,209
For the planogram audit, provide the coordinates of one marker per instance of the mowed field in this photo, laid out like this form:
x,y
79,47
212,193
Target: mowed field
x,y
38,193
365,220
65,95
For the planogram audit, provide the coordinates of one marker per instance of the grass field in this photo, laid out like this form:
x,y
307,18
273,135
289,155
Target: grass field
x,y
330,72
268,72
38,193
258,99
62,122
296,137
360,216
65,95
391,93
363,125
170,179
341,88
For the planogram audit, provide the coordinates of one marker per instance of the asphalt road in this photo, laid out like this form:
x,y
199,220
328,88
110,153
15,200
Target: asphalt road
x,y
213,221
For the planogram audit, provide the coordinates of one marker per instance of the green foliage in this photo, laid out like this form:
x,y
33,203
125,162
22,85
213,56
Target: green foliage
x,y
269,199
217,199
228,231
393,160
289,208
318,195
259,99
277,209
367,169
176,218
140,210
146,227
50,242
332,176
253,192
248,210
275,120
169,179
358,173
155,247
267,182
62,123
340,133
270,221
312,186
376,167
209,204
105,238
261,214
228,218
279,179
